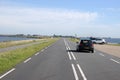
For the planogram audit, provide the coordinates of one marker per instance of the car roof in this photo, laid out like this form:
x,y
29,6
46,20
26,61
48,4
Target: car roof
x,y
85,39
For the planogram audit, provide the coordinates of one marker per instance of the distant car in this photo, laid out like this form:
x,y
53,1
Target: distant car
x,y
85,44
99,41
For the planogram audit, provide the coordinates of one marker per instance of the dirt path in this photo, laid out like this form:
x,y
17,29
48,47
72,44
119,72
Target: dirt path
x,y
110,49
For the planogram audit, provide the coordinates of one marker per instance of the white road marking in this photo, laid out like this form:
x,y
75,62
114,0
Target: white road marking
x,y
73,67
65,42
66,48
73,56
37,53
27,60
115,61
81,71
101,54
75,73
42,50
69,56
7,73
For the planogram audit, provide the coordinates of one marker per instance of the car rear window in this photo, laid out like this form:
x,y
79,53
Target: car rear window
x,y
85,41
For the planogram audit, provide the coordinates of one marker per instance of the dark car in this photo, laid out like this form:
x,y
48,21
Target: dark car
x,y
85,45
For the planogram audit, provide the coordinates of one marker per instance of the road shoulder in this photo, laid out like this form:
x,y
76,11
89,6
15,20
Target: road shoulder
x,y
109,49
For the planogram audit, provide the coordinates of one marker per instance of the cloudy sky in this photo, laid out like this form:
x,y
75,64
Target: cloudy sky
x,y
63,17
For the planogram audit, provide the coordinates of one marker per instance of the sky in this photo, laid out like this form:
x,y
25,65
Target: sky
x,y
84,18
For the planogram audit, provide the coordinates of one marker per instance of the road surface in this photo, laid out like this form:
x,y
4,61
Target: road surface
x,y
60,61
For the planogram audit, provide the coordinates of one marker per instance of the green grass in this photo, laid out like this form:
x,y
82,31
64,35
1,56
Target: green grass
x,y
9,59
14,43
114,44
74,40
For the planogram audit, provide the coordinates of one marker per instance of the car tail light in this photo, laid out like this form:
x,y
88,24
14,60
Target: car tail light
x,y
80,44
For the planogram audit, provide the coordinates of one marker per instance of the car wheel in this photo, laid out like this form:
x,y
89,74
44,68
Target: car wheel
x,y
77,49
92,51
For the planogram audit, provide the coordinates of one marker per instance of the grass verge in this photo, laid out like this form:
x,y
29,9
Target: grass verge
x,y
74,40
114,44
14,43
9,59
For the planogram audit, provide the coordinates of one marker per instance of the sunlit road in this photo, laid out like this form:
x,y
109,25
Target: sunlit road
x,y
60,61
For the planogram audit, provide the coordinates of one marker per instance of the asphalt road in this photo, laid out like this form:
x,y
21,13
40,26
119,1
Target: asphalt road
x,y
60,61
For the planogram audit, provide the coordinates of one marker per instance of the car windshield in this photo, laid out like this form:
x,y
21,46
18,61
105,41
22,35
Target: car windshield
x,y
98,39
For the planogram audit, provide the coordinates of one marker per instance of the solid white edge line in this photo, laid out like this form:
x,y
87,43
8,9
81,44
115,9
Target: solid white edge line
x,y
27,60
37,53
75,73
115,61
81,71
7,73
73,56
69,56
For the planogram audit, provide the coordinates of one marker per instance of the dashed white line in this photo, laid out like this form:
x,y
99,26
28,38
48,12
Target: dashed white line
x,y
101,54
42,50
81,71
75,73
7,73
73,56
69,56
27,60
37,53
66,48
115,61
65,43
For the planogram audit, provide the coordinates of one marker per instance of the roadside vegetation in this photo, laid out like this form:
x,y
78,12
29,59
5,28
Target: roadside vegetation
x,y
14,43
9,59
74,40
114,44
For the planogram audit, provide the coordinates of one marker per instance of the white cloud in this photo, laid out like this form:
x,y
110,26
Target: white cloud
x,y
16,16
51,21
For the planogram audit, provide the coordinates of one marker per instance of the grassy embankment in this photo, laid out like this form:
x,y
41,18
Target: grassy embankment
x,y
74,40
114,44
11,58
14,43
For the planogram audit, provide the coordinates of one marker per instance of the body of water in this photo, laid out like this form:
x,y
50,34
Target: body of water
x,y
109,40
113,40
13,38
